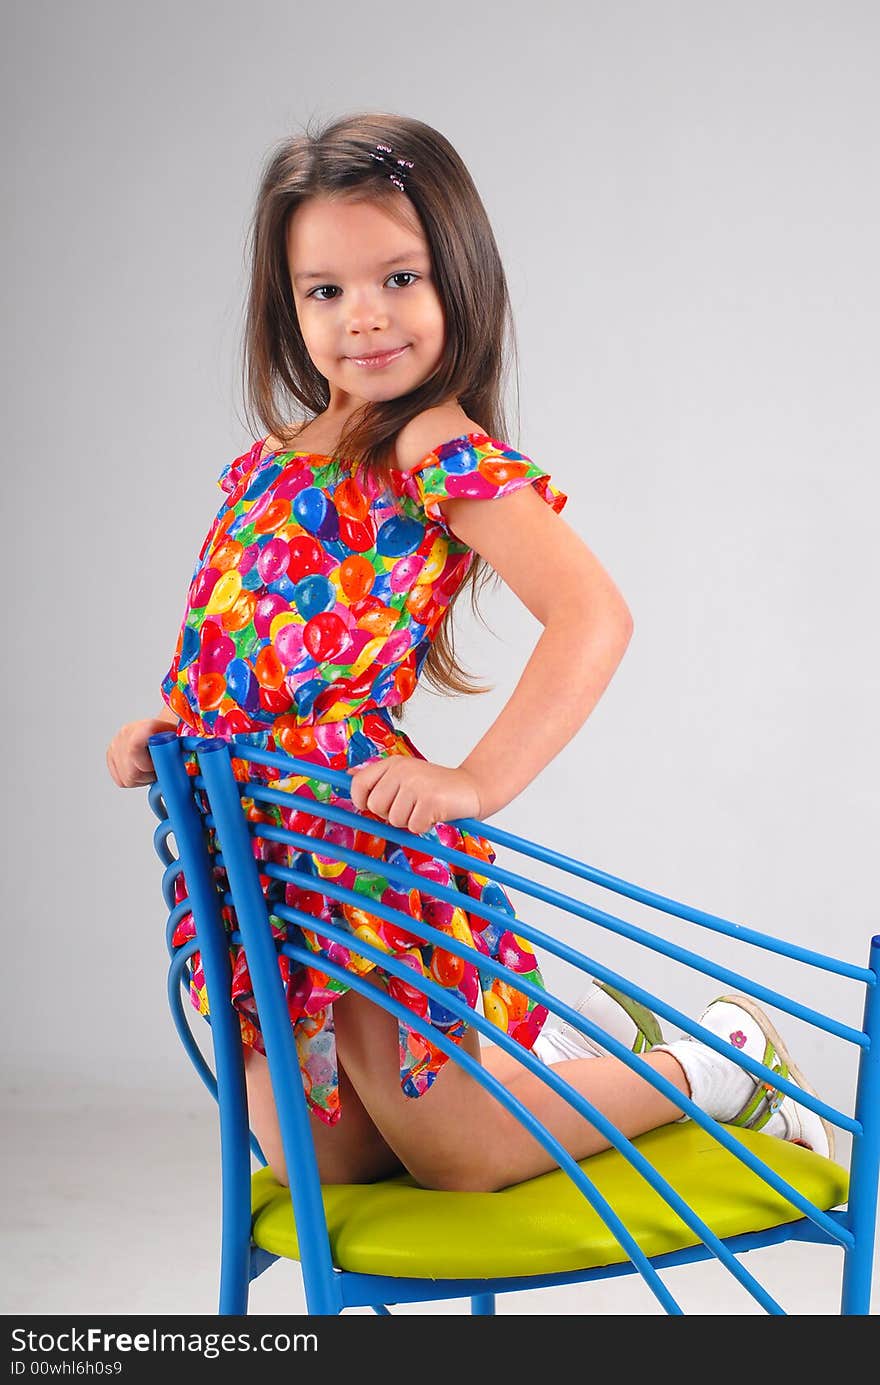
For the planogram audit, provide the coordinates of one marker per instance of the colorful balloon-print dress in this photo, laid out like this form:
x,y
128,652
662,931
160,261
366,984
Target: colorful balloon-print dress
x,y
312,607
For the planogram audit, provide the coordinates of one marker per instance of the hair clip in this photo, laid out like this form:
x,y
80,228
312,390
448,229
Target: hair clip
x,y
397,168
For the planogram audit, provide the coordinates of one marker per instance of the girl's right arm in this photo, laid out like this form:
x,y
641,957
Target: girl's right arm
x,y
128,758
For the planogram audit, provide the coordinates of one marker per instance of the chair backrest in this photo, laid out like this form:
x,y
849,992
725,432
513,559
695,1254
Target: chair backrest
x,y
207,801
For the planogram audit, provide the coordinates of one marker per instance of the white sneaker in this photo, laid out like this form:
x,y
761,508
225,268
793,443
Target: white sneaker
x,y
730,1094
624,1019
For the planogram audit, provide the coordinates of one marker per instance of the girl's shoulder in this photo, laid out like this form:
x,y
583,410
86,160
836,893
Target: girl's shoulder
x,y
429,430
416,440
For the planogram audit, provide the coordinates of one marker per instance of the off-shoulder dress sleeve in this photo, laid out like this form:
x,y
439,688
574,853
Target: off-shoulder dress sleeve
x,y
238,471
233,481
477,466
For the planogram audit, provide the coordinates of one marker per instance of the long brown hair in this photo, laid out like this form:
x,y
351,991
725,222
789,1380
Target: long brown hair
x,y
335,161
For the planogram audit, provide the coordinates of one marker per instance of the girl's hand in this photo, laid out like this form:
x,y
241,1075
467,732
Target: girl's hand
x,y
128,758
414,794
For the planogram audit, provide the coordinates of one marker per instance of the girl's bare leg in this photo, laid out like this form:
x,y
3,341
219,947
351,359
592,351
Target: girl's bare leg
x,y
501,1065
351,1151
457,1136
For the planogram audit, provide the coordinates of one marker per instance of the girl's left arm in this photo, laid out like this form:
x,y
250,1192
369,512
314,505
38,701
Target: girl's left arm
x,y
587,627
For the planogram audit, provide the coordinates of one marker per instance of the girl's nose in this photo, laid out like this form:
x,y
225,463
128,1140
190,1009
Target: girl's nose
x,y
366,315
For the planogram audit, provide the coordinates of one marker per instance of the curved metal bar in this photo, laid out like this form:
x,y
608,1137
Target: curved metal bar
x,y
180,909
409,878
160,842
562,901
156,800
714,922
185,1034
169,875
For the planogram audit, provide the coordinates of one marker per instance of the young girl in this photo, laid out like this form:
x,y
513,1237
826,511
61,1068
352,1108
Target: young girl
x,y
323,591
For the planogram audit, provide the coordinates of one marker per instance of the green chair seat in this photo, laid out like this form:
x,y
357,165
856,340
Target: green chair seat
x,y
546,1226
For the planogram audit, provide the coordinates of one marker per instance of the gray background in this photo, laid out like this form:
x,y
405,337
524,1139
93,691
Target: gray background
x,y
686,201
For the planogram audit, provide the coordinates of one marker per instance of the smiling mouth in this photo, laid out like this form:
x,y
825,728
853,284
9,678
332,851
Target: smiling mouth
x,y
378,359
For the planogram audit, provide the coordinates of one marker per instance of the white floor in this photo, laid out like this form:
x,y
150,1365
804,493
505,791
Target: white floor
x,y
112,1208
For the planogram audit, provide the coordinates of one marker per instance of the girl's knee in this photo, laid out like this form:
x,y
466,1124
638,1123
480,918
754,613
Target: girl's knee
x,y
464,1177
351,1151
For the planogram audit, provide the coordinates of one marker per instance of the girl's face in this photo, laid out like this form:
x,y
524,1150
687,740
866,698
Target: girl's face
x,y
362,285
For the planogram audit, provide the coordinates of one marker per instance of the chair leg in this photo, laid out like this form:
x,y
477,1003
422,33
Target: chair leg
x,y
483,1305
233,1296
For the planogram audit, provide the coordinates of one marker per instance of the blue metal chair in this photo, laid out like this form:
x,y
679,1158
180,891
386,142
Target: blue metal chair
x,y
687,1192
